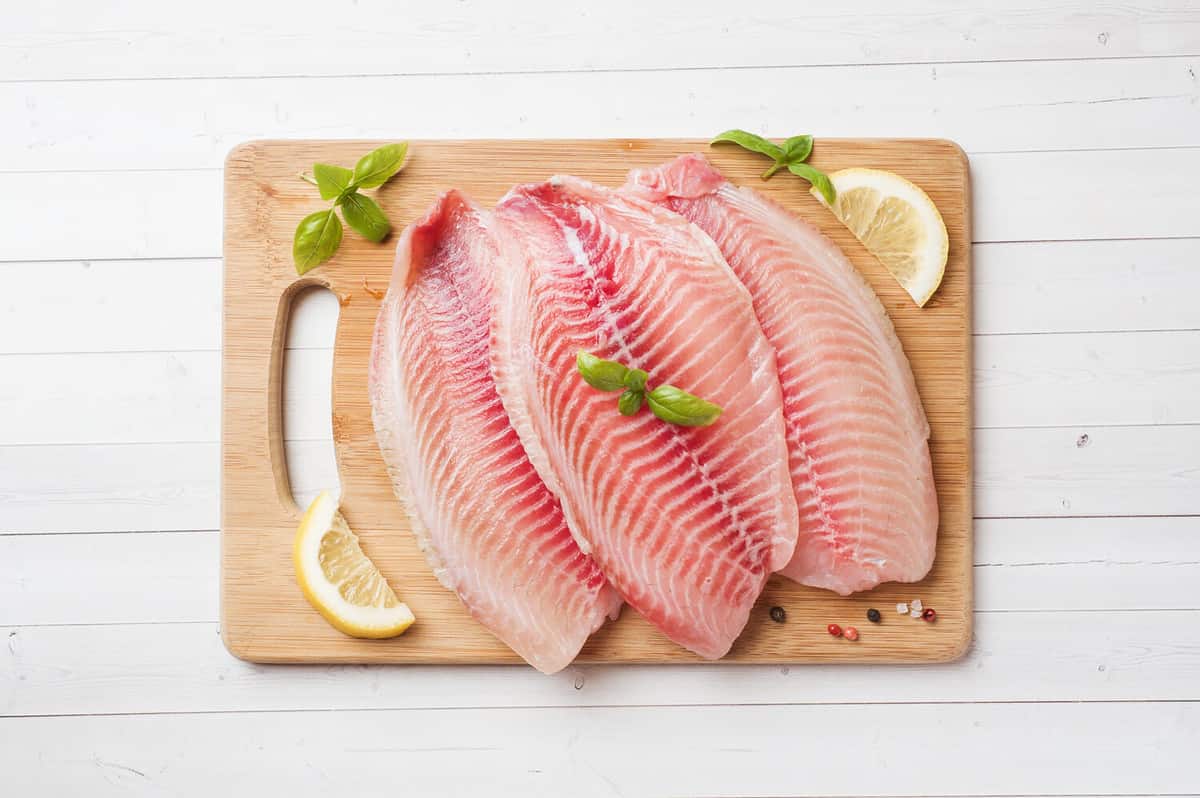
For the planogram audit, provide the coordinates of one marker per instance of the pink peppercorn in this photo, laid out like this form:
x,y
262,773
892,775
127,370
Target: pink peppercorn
x,y
851,633
834,630
929,615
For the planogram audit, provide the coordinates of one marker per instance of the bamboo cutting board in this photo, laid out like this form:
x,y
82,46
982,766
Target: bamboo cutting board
x,y
264,618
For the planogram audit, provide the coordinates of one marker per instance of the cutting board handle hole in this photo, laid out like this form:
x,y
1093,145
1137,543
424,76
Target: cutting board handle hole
x,y
309,315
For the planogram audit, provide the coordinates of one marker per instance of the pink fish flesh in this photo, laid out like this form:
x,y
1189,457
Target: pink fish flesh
x,y
687,522
488,526
856,431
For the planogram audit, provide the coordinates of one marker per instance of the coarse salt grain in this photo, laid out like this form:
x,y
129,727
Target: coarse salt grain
x,y
902,608
915,613
916,605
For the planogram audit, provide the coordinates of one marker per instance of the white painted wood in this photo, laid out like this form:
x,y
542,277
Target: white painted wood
x,y
109,578
110,306
1024,565
1083,195
1085,286
114,488
1119,656
228,38
1087,378
134,397
1087,564
864,749
1082,120
994,107
1017,196
155,215
1054,286
1020,380
1019,472
1087,471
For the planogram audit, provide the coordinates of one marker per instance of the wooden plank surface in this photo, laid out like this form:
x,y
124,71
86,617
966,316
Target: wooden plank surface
x,y
1010,749
228,38
264,618
129,108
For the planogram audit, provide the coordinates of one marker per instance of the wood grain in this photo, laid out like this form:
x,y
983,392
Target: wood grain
x,y
263,616
228,38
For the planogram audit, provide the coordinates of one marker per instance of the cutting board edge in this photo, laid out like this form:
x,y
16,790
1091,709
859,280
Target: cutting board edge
x,y
250,647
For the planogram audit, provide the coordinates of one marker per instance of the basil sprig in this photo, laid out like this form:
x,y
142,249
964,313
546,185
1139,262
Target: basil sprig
x,y
669,403
791,156
319,234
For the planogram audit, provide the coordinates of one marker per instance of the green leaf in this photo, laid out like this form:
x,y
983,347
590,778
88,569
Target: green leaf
x,y
631,402
818,178
635,380
680,407
775,167
364,215
797,149
377,167
603,375
317,237
749,141
332,181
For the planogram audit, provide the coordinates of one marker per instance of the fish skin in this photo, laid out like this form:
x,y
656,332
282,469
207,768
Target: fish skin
x,y
489,528
688,523
857,433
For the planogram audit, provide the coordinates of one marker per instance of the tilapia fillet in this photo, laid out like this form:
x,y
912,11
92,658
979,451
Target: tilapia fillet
x,y
490,529
687,523
856,431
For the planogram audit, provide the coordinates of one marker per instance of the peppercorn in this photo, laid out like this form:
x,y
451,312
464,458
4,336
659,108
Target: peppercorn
x,y
873,615
851,633
778,615
929,615
834,630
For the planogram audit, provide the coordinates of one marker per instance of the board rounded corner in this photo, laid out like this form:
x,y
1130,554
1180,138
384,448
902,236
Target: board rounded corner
x,y
239,646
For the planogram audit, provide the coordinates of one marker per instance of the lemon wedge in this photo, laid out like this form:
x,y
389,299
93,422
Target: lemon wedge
x,y
897,223
340,580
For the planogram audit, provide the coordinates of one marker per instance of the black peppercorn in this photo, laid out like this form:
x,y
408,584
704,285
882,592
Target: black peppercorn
x,y
778,615
873,615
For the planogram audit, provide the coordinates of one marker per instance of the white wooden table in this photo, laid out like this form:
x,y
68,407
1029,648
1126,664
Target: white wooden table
x,y
1082,121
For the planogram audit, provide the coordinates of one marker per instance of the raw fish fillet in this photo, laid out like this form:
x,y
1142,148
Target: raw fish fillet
x,y
856,431
490,529
687,522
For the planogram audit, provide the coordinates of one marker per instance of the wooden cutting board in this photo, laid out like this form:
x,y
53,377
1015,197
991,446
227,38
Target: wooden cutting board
x,y
264,618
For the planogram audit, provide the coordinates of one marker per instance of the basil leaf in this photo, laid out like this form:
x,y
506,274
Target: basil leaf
x,y
749,141
680,407
635,380
818,178
631,402
332,181
317,237
364,215
603,375
797,149
377,167
775,167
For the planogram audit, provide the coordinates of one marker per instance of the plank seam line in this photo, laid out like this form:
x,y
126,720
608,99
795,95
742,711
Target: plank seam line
x,y
608,70
327,440
221,169
1130,516
981,242
977,242
571,707
215,622
217,259
320,348
52,533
